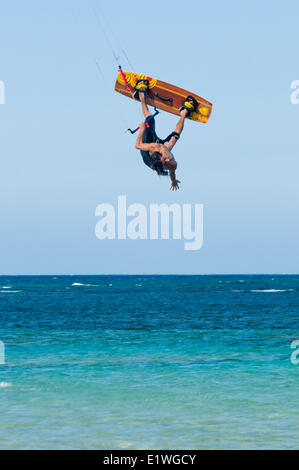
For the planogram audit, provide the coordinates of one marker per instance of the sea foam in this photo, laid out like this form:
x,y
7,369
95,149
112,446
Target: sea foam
x,y
5,384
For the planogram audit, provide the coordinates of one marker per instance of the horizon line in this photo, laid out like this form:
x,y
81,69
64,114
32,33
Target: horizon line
x,y
157,274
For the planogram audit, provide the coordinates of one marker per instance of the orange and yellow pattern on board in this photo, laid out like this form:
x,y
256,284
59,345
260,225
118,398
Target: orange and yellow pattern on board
x,y
132,79
164,95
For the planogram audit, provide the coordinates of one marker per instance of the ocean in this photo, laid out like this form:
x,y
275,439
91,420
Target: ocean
x,y
149,362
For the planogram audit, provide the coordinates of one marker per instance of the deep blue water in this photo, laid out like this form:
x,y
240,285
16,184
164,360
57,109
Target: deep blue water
x,y
155,362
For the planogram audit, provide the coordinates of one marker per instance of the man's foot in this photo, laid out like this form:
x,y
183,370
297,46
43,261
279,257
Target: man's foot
x,y
142,87
189,104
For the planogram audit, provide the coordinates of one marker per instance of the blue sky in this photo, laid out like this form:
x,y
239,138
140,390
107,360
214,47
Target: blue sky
x,y
64,151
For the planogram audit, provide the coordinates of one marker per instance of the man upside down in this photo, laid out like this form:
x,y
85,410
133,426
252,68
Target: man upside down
x,y
156,152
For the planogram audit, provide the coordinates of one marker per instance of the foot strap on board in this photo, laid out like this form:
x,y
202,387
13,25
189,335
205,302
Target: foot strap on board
x,y
190,104
141,86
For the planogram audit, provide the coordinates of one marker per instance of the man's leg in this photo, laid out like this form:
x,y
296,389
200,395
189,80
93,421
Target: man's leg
x,y
172,139
180,124
145,110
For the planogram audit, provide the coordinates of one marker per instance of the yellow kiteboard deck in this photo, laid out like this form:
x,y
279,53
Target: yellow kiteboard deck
x,y
164,95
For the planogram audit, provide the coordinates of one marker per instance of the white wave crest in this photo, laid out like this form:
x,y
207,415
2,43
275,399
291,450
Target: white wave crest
x,y
271,290
80,284
5,384
9,291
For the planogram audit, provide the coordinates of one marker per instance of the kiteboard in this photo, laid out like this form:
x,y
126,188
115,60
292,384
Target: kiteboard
x,y
163,95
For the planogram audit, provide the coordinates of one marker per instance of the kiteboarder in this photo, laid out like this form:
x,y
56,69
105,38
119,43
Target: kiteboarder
x,y
156,153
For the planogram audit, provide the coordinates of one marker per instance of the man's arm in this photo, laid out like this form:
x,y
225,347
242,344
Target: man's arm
x,y
174,182
142,146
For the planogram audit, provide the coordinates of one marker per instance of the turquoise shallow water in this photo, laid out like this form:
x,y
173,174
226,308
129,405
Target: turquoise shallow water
x,y
138,362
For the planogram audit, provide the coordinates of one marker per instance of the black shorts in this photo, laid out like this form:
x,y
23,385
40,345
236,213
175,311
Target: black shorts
x,y
150,137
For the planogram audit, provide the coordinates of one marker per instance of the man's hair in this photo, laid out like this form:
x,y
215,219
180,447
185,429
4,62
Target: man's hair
x,y
157,164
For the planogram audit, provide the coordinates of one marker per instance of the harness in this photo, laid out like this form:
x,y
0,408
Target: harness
x,y
146,121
